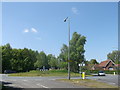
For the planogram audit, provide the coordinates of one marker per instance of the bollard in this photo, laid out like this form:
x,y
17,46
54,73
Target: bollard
x,y
83,75
114,73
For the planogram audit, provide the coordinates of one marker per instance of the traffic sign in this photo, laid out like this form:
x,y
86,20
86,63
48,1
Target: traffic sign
x,y
69,60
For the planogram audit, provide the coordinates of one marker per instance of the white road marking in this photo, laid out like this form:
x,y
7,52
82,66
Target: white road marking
x,y
24,80
112,83
41,85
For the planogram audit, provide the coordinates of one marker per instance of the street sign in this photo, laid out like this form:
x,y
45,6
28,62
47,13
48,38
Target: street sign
x,y
83,64
69,61
80,64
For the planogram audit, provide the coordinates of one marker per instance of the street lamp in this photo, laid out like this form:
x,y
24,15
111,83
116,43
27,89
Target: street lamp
x,y
68,45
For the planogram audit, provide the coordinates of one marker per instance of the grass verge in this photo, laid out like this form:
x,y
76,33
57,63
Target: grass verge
x,y
88,83
45,73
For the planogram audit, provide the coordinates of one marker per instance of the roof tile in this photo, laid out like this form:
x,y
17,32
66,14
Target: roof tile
x,y
103,64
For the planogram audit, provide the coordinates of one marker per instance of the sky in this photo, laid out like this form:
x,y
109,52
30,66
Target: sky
x,y
39,26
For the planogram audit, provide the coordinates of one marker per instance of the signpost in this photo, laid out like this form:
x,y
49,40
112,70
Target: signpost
x,y
69,61
80,65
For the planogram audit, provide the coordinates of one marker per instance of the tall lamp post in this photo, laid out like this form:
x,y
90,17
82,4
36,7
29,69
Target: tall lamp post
x,y
68,45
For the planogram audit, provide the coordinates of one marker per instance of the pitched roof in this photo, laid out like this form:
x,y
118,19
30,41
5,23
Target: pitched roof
x,y
104,63
96,65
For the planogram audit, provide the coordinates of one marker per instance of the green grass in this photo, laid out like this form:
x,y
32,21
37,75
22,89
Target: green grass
x,y
45,73
53,73
88,83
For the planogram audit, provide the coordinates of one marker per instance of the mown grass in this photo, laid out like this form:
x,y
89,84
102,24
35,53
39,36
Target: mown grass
x,y
45,73
88,83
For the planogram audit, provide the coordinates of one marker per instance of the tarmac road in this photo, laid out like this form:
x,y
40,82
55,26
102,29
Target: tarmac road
x,y
50,82
36,82
109,78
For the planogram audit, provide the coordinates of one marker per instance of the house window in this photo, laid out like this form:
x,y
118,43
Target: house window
x,y
110,68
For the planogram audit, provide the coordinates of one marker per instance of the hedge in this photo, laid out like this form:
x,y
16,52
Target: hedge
x,y
106,71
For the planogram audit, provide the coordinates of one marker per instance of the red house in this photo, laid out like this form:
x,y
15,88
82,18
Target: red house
x,y
105,65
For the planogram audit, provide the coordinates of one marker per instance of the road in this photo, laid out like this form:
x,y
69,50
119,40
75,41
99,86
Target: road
x,y
109,78
37,82
50,82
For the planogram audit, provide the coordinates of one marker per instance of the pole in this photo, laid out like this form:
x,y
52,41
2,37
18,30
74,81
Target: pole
x,y
80,70
68,48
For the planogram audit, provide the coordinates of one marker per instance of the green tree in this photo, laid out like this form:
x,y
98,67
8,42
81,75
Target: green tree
x,y
62,65
52,61
64,53
93,61
114,56
41,60
16,61
49,56
6,57
19,59
76,51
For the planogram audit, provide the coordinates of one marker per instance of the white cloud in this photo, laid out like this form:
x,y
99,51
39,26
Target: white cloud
x,y
26,30
74,10
34,30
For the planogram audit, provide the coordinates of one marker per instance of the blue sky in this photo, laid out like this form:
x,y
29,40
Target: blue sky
x,y
40,26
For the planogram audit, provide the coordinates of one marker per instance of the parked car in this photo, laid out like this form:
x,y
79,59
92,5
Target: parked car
x,y
101,73
9,71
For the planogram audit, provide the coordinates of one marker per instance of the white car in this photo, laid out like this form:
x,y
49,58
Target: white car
x,y
101,73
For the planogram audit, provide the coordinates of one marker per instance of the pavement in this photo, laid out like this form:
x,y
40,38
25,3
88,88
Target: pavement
x,y
50,82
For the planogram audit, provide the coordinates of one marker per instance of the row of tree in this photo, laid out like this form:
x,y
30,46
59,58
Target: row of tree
x,y
26,59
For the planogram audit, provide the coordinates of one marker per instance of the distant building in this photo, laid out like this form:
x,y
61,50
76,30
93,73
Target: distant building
x,y
105,65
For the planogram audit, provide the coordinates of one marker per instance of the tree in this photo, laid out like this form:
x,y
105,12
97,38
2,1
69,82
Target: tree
x,y
114,56
64,53
6,57
93,61
62,65
41,60
52,61
16,60
76,51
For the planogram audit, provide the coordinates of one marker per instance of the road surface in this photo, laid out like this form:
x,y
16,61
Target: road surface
x,y
50,82
36,82
109,78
